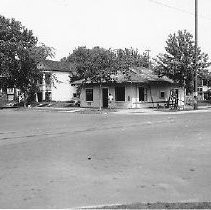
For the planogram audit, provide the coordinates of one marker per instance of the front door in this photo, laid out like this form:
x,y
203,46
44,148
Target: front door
x,y
39,96
105,97
141,94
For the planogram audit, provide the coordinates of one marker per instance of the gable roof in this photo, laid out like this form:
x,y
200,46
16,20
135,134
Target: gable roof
x,y
135,75
50,65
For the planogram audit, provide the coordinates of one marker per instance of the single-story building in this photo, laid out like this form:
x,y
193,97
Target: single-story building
x,y
141,88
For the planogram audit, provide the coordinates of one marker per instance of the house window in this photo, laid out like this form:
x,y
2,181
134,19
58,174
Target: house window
x,y
40,79
120,93
162,94
10,97
48,96
47,79
74,95
89,94
10,90
142,94
200,89
209,83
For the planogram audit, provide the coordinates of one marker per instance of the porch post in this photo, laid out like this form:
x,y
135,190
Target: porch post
x,y
184,95
43,87
136,101
100,89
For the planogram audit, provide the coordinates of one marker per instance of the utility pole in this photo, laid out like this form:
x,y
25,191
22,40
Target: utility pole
x,y
148,51
196,46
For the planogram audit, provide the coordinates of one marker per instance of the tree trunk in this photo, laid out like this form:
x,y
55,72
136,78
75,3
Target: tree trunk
x,y
25,99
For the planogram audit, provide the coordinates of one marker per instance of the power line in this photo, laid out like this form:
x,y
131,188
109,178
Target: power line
x,y
179,9
171,7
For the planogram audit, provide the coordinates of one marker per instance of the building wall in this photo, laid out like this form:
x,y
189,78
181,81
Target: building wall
x,y
132,96
62,90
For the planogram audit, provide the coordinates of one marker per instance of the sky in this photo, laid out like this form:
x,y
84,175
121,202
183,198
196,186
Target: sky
x,y
141,24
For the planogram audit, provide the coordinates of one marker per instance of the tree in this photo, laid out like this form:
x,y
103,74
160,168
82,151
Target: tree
x,y
131,57
178,63
19,56
101,65
95,64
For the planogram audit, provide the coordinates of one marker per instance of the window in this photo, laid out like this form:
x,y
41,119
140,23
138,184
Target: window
x,y
48,79
209,83
10,97
40,79
74,95
120,93
89,94
10,90
162,94
200,89
142,94
48,96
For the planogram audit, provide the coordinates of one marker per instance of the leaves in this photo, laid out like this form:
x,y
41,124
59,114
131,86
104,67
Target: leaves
x,y
19,55
178,63
100,65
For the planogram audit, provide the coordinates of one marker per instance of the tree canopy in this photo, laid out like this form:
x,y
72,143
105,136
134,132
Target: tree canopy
x,y
19,55
99,64
178,63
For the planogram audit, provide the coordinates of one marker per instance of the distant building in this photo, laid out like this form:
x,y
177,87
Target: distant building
x,y
7,93
55,84
204,89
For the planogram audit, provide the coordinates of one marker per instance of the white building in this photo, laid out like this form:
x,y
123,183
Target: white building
x,y
55,84
142,89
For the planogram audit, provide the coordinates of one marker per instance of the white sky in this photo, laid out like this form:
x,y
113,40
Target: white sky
x,y
141,24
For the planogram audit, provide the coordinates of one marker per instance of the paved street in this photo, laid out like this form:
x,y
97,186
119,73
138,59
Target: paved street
x,y
64,160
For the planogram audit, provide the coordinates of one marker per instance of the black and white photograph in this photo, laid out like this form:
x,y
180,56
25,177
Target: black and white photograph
x,y
105,104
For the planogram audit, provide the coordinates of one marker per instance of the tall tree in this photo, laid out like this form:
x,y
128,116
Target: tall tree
x,y
101,65
19,55
131,57
178,63
95,64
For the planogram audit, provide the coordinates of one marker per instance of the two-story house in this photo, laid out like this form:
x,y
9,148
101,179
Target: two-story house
x,y
55,83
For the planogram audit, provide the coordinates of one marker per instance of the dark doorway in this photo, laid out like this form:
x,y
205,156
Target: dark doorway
x,y
177,93
39,96
105,97
141,94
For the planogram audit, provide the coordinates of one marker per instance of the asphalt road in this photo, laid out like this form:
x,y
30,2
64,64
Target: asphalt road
x,y
67,160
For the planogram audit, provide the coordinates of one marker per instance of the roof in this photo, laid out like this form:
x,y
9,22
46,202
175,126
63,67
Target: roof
x,y
50,65
135,75
144,75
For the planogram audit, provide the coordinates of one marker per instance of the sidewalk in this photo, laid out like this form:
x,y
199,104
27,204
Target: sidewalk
x,y
58,109
163,111
141,111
